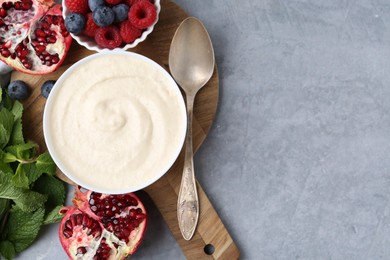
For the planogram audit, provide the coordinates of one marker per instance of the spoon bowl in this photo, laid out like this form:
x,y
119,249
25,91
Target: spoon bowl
x,y
191,62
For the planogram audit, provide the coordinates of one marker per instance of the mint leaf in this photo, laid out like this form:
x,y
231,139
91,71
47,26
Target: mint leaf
x,y
17,110
7,250
4,207
32,172
53,188
4,167
25,199
17,133
9,157
22,151
20,178
23,227
53,216
6,123
46,164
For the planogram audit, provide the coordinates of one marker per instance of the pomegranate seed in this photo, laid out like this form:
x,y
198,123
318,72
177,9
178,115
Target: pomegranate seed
x,y
22,53
40,33
125,233
73,220
45,53
3,12
48,63
13,55
26,6
68,224
65,34
81,250
35,44
41,39
91,202
26,41
93,208
55,20
68,233
49,19
84,221
2,22
140,216
40,48
45,25
18,6
51,39
132,213
5,53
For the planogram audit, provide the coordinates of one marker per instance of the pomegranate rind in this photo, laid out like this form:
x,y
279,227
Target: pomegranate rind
x,y
41,9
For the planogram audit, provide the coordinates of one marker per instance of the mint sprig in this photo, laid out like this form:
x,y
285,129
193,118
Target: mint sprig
x,y
30,194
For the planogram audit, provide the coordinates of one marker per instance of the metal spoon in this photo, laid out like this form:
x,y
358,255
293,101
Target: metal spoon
x,y
191,62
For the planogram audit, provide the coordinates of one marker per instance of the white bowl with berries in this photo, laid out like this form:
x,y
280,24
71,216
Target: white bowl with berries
x,y
101,25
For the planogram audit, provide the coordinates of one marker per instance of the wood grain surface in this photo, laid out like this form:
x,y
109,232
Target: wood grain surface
x,y
210,230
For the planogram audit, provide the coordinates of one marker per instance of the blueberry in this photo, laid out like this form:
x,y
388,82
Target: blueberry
x,y
75,23
93,4
18,90
121,12
46,87
103,16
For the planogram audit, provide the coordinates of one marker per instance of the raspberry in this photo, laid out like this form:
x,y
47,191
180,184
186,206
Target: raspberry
x,y
128,32
142,14
113,2
108,37
90,26
77,6
130,2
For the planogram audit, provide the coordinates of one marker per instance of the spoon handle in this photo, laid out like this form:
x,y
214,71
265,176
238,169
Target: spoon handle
x,y
188,203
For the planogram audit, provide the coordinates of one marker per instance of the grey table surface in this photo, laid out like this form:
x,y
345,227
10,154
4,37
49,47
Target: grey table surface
x,y
297,162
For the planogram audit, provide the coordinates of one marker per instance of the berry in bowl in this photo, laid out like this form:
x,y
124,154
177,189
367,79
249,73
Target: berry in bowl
x,y
115,122
110,24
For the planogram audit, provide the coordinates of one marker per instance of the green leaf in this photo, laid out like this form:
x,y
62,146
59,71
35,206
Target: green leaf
x,y
4,207
22,151
23,227
20,178
46,164
6,123
53,216
4,167
17,133
7,250
17,110
9,157
53,188
32,172
25,199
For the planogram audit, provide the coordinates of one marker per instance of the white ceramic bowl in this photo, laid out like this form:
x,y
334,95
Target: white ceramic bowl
x,y
90,43
53,138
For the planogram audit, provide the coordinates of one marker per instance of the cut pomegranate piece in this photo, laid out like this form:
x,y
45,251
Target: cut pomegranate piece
x,y
102,226
33,37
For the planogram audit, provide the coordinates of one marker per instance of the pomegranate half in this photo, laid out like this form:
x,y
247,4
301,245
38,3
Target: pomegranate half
x,y
102,226
33,37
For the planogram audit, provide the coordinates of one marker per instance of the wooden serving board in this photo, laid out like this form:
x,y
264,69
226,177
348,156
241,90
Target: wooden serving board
x,y
210,230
